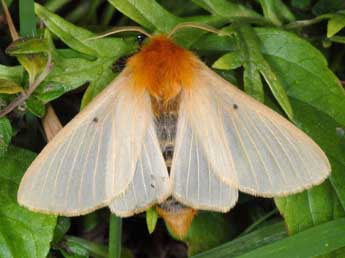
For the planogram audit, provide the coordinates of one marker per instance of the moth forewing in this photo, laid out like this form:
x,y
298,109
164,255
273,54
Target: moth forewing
x,y
269,156
91,160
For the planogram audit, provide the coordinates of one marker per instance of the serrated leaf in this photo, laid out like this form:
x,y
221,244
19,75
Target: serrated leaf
x,y
335,24
9,87
147,13
5,135
151,219
23,233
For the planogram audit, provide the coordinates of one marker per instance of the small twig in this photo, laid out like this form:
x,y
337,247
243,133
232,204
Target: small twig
x,y
25,95
12,28
51,123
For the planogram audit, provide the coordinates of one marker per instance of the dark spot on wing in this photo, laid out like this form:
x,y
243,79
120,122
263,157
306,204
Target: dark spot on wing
x,y
235,106
95,120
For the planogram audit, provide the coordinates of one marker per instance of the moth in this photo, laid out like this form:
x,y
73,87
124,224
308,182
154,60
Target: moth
x,y
169,128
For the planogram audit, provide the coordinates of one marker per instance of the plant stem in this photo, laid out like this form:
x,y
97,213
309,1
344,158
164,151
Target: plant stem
x,y
115,232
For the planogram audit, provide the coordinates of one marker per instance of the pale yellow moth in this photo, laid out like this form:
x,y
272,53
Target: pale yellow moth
x,y
117,151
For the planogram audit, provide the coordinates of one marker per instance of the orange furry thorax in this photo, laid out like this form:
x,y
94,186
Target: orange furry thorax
x,y
163,68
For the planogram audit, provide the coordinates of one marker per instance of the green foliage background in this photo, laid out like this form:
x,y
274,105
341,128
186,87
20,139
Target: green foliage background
x,y
287,54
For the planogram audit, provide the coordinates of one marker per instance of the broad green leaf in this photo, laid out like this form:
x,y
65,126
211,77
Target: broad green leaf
x,y
147,13
9,87
23,233
303,72
5,135
208,230
316,241
151,219
244,244
12,73
335,24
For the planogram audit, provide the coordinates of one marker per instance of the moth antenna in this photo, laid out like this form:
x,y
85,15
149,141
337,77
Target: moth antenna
x,y
119,30
198,26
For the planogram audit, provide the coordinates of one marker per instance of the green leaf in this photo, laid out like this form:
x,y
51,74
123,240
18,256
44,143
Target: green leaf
x,y
84,248
327,201
97,85
9,87
72,35
335,24
303,72
318,101
256,64
27,18
72,69
27,46
78,38
225,8
12,73
319,240
36,106
5,135
218,230
229,61
151,219
244,244
147,13
62,226
23,233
